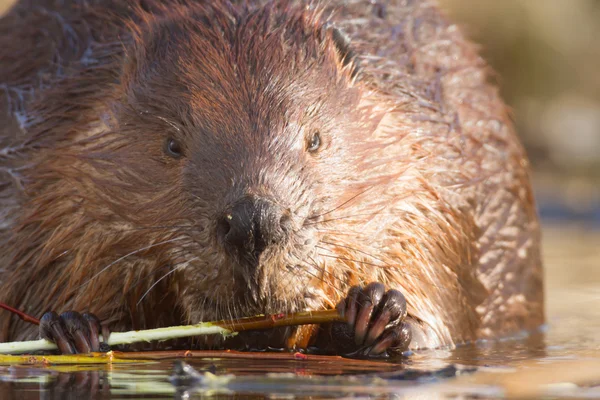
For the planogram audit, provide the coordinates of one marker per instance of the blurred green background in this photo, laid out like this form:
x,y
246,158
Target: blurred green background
x,y
547,56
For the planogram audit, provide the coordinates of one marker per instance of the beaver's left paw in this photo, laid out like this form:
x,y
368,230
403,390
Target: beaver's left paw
x,y
375,322
73,332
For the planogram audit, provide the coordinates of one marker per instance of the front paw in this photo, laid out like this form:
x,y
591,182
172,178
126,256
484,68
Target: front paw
x,y
72,332
375,322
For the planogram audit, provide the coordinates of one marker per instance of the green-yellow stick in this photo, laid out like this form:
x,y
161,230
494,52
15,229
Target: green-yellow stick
x,y
225,328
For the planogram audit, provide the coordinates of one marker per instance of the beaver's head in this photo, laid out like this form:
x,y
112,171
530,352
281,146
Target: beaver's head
x,y
237,133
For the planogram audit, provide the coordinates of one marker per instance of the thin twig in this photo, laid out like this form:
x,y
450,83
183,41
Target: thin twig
x,y
20,314
225,328
150,356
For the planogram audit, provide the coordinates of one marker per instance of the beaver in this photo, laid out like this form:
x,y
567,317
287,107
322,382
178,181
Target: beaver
x,y
170,162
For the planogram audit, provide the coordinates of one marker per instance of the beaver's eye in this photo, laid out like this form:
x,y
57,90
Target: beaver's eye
x,y
173,148
314,142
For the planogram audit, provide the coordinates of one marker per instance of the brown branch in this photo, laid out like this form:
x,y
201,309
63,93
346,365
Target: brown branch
x,y
21,314
279,320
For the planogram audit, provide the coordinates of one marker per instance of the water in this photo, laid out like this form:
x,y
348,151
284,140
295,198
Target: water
x,y
563,361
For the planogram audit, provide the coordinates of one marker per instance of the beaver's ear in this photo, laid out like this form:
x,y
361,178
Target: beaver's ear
x,y
346,54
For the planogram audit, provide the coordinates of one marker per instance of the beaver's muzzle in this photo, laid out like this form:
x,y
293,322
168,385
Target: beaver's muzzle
x,y
252,225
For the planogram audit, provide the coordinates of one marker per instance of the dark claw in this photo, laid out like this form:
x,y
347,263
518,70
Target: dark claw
x,y
390,312
368,299
51,328
394,340
378,326
375,322
71,331
78,329
348,307
95,329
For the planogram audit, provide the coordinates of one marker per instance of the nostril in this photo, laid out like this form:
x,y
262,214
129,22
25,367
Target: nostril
x,y
285,222
223,227
251,225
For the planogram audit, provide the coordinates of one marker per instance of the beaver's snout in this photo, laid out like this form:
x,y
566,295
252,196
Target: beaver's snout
x,y
251,225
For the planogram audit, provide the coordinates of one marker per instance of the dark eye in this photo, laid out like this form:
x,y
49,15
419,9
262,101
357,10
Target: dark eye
x,y
173,148
314,142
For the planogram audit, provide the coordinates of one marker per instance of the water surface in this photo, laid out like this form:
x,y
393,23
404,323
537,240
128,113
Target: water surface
x,y
562,361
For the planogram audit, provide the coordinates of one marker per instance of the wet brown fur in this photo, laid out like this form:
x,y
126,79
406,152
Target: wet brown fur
x,y
421,184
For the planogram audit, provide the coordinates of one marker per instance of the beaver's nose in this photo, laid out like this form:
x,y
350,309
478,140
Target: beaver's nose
x,y
252,225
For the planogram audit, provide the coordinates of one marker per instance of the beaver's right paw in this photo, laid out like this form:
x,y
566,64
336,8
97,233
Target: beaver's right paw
x,y
72,332
375,322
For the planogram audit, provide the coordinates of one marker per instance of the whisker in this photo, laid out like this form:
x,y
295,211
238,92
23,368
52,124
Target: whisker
x,y
352,260
381,266
316,265
157,227
352,249
343,204
161,278
323,270
338,232
344,217
125,256
150,274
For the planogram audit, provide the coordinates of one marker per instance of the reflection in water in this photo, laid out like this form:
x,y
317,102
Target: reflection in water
x,y
573,310
503,353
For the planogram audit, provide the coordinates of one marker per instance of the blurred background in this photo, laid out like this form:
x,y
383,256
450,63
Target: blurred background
x,y
547,57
